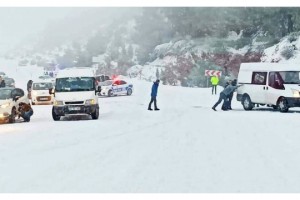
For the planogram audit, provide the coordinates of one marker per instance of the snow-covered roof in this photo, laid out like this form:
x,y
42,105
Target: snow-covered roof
x,y
75,72
270,67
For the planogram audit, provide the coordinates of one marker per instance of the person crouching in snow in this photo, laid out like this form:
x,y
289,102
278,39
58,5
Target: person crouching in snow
x,y
25,111
153,95
225,94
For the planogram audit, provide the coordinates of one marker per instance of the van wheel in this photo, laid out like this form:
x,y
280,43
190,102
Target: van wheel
x,y
247,103
109,93
95,115
54,116
12,118
129,91
282,105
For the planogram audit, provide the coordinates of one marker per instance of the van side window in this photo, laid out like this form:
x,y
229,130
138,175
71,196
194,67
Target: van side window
x,y
259,78
276,81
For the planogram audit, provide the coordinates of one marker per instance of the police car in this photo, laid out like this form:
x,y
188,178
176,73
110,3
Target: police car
x,y
115,87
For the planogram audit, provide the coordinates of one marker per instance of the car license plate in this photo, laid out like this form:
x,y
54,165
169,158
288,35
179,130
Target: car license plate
x,y
45,98
74,108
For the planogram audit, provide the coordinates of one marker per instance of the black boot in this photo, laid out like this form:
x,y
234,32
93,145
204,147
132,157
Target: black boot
x,y
149,108
156,109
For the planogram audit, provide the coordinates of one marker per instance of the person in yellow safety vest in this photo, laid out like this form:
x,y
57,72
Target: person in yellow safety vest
x,y
214,81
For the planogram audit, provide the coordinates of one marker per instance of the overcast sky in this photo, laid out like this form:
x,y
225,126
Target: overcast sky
x,y
16,24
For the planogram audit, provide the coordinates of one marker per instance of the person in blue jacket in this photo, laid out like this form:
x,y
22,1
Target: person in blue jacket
x,y
153,95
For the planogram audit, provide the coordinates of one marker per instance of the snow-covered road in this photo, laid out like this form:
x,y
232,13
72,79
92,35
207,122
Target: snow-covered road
x,y
184,147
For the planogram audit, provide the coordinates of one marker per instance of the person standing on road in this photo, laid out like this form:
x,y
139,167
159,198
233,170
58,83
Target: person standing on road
x,y
214,81
29,84
153,95
225,94
2,82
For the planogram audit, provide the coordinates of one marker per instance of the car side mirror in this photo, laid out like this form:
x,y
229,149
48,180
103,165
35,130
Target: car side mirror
x,y
16,98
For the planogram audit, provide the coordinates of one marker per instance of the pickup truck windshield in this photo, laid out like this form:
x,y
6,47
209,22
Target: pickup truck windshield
x,y
5,94
73,84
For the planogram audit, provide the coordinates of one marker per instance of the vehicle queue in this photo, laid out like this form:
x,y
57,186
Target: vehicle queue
x,y
75,91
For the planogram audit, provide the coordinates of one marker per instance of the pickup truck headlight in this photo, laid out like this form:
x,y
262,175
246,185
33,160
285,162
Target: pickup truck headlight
x,y
296,93
58,103
90,102
4,105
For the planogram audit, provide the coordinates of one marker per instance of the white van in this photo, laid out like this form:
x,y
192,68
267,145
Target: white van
x,y
40,92
75,93
271,84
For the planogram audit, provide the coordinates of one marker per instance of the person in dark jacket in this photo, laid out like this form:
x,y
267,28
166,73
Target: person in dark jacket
x,y
153,95
25,111
227,104
225,94
2,82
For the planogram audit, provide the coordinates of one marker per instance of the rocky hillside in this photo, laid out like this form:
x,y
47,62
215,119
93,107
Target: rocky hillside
x,y
174,44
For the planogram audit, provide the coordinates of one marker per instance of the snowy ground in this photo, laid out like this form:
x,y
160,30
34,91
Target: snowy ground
x,y
184,147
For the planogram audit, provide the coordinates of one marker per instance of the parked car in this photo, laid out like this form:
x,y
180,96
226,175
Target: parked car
x,y
40,92
9,82
9,103
115,87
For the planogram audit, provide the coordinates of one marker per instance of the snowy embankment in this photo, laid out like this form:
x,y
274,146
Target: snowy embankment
x,y
184,147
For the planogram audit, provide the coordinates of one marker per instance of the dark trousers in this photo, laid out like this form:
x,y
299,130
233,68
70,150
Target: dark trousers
x,y
26,115
214,87
222,97
153,99
227,103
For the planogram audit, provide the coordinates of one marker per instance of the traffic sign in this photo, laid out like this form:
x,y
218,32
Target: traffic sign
x,y
213,73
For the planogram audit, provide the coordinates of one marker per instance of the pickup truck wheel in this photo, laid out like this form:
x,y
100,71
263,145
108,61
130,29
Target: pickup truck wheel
x,y
12,117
